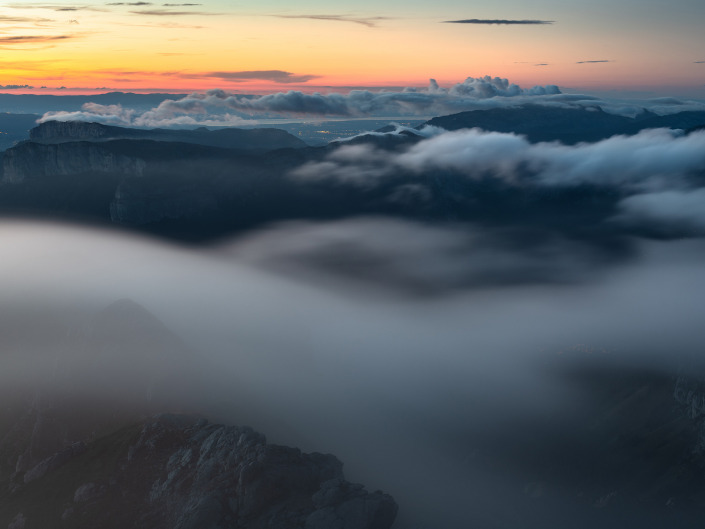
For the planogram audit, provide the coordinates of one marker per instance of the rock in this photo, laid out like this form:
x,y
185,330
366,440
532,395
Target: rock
x,y
18,522
180,472
29,160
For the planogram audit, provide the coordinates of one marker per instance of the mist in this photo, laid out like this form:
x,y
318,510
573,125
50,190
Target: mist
x,y
427,397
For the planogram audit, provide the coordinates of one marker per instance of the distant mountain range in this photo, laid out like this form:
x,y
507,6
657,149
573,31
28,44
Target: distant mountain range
x,y
567,125
199,185
257,140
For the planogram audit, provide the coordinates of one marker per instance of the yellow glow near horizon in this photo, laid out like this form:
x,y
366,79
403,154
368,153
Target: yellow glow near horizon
x,y
114,49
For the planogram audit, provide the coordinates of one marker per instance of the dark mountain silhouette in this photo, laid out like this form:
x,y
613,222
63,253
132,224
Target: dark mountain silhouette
x,y
228,138
567,125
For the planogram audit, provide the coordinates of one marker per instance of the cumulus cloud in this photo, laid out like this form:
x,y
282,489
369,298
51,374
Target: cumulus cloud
x,y
219,106
651,159
119,116
434,100
15,87
504,22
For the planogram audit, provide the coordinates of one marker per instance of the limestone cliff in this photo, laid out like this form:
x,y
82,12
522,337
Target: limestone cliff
x,y
30,160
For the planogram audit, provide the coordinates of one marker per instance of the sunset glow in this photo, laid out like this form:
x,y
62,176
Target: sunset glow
x,y
65,47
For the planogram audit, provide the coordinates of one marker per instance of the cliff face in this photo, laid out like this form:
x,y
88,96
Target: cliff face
x,y
31,160
175,472
58,131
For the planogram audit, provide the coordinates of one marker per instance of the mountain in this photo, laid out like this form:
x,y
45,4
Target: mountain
x,y
80,446
176,472
261,140
567,125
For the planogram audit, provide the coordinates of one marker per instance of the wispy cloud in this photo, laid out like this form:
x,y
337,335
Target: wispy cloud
x,y
370,22
594,62
181,5
130,4
541,64
276,76
57,7
32,39
499,22
699,62
21,20
170,13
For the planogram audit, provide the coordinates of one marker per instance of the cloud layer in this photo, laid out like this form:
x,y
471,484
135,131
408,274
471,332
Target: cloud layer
x,y
227,108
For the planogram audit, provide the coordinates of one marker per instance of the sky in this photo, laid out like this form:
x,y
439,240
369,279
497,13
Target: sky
x,y
639,46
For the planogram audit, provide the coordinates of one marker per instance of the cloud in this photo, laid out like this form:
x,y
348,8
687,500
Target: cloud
x,y
499,22
15,87
418,258
34,20
593,62
671,213
57,7
169,12
130,4
370,22
652,159
699,62
277,76
181,5
435,100
33,39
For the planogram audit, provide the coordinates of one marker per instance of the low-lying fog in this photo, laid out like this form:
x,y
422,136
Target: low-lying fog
x,y
418,355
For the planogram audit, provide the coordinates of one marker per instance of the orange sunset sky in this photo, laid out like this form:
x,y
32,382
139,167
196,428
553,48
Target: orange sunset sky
x,y
272,45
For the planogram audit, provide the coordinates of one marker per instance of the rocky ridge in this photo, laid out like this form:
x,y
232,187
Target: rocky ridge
x,y
179,472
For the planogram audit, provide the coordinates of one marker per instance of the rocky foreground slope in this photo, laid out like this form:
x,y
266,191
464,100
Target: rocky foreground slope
x,y
178,472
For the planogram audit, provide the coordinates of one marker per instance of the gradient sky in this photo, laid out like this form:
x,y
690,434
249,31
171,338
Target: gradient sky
x,y
633,45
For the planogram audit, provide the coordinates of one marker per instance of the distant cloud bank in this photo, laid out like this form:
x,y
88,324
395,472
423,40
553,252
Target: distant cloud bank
x,y
224,108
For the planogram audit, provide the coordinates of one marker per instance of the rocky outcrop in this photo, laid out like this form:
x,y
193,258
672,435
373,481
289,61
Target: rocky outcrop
x,y
60,131
177,472
30,160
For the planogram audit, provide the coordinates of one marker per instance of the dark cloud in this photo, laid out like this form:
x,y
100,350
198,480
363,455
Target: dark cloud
x,y
370,22
15,87
593,62
181,5
277,76
541,64
499,22
699,62
130,4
